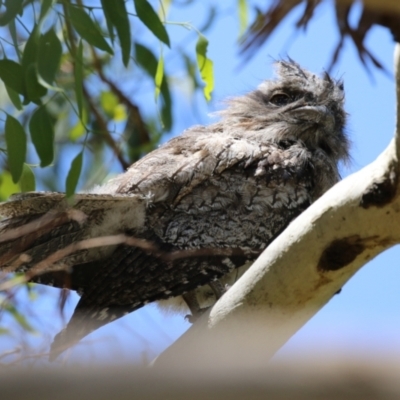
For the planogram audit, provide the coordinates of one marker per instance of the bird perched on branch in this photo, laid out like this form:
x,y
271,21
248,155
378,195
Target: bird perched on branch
x,y
180,223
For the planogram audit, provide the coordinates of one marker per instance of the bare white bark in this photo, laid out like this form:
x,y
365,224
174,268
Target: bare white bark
x,y
303,268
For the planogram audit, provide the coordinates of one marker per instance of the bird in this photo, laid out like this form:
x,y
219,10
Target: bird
x,y
182,224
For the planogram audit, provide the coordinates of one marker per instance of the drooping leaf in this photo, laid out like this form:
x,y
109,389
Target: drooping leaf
x,y
88,29
41,127
110,25
13,33
7,186
148,61
33,89
14,97
79,129
149,17
11,73
16,146
22,321
205,66
49,56
74,174
111,106
115,11
164,7
27,181
159,75
13,8
46,5
78,72
243,16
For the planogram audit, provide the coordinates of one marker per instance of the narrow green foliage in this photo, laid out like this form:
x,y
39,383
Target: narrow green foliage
x,y
159,75
243,16
12,74
27,181
205,66
116,15
88,29
46,5
13,33
33,89
49,56
14,97
74,174
148,61
16,146
22,321
78,72
41,127
149,17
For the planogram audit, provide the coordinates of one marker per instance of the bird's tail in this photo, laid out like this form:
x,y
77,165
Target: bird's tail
x,y
39,230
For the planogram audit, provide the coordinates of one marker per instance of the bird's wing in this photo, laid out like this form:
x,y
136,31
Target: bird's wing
x,y
132,277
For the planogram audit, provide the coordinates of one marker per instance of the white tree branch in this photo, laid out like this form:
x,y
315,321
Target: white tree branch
x,y
303,268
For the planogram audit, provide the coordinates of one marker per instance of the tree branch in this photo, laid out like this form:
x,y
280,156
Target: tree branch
x,y
302,269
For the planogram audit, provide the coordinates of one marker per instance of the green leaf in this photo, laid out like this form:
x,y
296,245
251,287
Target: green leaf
x,y
14,7
41,127
110,26
73,174
243,16
108,101
205,66
115,11
164,7
14,97
78,72
13,33
22,321
27,181
159,75
33,89
46,5
191,70
148,61
79,129
11,73
88,29
49,56
16,146
149,17
7,186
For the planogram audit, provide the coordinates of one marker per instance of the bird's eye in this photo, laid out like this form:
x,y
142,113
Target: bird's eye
x,y
280,99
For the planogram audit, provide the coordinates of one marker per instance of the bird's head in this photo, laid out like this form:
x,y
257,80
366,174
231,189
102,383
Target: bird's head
x,y
299,105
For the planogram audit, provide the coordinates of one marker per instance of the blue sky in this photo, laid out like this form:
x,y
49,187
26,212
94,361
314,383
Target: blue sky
x,y
365,316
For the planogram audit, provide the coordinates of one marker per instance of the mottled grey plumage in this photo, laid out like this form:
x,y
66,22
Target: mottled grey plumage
x,y
233,185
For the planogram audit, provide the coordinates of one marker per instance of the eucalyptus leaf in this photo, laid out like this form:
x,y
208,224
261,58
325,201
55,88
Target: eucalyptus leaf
x,y
74,174
149,17
88,29
41,127
115,12
16,146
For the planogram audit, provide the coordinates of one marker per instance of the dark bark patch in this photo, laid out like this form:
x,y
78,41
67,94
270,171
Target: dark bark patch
x,y
380,193
340,253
